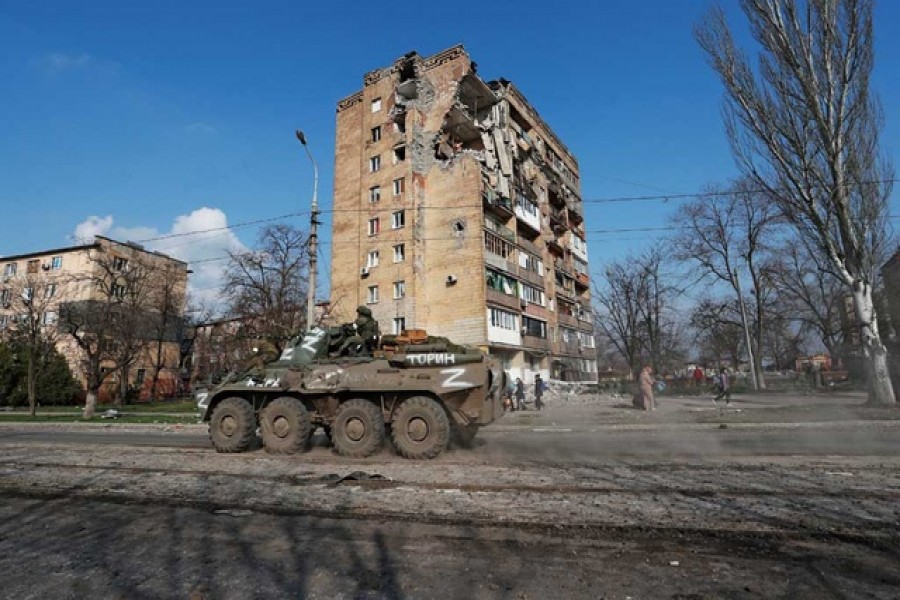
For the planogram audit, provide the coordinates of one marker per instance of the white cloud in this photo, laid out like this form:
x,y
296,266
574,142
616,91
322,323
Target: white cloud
x,y
58,61
200,127
92,226
206,279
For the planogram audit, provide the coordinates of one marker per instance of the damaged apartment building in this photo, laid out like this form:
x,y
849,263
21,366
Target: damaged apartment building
x,y
457,210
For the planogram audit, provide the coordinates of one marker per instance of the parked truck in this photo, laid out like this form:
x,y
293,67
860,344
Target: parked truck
x,y
418,390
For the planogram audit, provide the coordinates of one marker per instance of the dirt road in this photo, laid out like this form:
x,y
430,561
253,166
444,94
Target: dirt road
x,y
535,511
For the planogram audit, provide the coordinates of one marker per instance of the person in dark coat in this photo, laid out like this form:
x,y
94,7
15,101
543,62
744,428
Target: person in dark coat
x,y
520,394
538,392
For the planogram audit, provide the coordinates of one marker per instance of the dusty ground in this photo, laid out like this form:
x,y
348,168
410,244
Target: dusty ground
x,y
796,497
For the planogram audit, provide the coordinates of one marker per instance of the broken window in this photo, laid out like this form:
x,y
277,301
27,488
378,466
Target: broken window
x,y
9,269
399,186
374,164
399,325
375,193
120,264
376,105
398,219
504,284
33,266
400,124
376,133
399,154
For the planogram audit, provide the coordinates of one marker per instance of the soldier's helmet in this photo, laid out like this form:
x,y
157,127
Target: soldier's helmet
x,y
363,311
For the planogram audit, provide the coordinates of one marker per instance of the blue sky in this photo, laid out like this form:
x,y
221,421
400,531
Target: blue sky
x,y
141,114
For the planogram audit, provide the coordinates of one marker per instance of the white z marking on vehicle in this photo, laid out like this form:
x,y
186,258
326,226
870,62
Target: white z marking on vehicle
x,y
454,375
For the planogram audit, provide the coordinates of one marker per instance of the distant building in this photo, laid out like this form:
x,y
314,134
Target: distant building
x,y
458,210
71,276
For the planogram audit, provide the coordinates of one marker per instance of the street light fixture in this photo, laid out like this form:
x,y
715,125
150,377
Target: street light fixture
x,y
313,235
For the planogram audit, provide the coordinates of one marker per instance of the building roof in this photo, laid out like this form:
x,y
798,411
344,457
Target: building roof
x,y
80,247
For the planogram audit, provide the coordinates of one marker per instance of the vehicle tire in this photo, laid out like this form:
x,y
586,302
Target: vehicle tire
x,y
358,428
420,428
285,426
464,436
232,427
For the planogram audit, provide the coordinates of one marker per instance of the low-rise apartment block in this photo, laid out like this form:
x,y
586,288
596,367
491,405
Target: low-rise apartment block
x,y
142,291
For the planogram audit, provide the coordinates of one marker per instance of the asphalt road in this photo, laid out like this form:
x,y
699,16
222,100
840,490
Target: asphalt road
x,y
585,444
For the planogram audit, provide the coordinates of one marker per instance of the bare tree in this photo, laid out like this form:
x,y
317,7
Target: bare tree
x,y
812,295
110,328
634,311
266,288
726,232
33,296
719,331
167,305
805,127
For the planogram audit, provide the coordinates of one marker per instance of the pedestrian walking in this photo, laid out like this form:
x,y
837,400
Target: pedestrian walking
x,y
724,385
698,377
520,394
538,392
646,381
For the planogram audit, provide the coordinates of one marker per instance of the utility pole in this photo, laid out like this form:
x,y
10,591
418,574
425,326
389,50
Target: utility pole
x,y
737,286
313,237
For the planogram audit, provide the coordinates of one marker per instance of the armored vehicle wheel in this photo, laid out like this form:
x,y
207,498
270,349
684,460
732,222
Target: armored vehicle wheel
x,y
232,426
358,428
285,426
420,428
464,437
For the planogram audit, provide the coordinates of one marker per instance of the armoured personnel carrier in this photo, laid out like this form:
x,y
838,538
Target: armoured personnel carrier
x,y
418,390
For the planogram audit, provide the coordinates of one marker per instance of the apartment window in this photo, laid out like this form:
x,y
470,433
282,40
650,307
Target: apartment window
x,y
33,266
534,327
399,154
374,164
376,134
9,270
56,264
399,126
566,334
372,295
503,319
141,375
5,296
375,193
49,318
4,321
497,245
399,253
532,294
586,339
399,325
120,264
27,294
398,219
399,289
531,263
374,226
372,259
118,291
376,105
528,206
50,290
399,186
500,282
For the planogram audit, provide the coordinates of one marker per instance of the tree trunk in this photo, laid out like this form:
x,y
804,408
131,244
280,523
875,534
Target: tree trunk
x,y
31,381
881,391
90,403
123,386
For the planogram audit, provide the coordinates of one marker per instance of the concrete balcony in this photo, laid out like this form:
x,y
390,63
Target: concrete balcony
x,y
529,246
498,298
535,343
570,320
582,280
499,262
531,277
497,204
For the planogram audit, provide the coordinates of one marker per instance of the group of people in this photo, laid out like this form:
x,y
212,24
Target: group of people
x,y
516,399
645,399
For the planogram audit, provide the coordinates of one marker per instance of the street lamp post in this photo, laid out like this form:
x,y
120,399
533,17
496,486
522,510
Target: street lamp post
x,y
313,236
